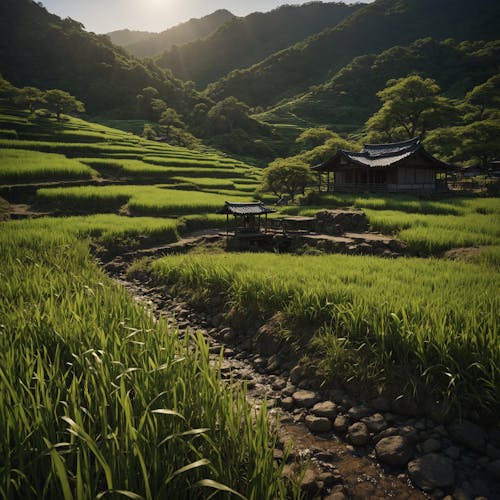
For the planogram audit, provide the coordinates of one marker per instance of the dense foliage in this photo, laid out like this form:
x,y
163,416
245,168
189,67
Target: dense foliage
x,y
347,100
246,41
44,51
152,44
376,27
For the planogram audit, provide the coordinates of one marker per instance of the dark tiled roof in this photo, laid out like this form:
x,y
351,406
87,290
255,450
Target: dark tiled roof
x,y
256,208
382,155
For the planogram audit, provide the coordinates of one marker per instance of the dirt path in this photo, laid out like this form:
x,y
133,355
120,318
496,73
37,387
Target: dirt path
x,y
337,470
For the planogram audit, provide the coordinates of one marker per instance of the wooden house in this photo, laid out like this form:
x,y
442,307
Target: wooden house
x,y
396,167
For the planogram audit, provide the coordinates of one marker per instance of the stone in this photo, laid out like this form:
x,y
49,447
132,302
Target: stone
x,y
432,471
318,424
358,412
468,434
409,432
278,454
358,434
430,445
296,374
394,450
325,409
305,399
330,478
341,423
288,390
460,494
391,431
376,423
494,469
278,384
308,483
338,495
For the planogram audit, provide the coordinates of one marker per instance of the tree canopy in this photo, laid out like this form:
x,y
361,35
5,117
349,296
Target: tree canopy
x,y
59,101
286,176
410,107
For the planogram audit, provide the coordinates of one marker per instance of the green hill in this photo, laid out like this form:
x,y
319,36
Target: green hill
x,y
43,50
372,29
178,35
127,37
245,41
347,100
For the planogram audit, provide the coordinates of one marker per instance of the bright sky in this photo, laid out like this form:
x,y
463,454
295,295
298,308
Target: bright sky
x,y
103,16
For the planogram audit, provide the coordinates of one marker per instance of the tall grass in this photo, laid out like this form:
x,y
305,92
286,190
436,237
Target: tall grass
x,y
98,399
429,323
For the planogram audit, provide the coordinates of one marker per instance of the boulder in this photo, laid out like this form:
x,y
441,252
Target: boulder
x,y
325,409
432,471
468,434
394,450
341,423
376,423
358,434
318,424
305,399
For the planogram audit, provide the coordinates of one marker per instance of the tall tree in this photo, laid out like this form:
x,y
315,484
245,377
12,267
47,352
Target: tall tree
x,y
30,97
286,176
59,101
411,106
485,97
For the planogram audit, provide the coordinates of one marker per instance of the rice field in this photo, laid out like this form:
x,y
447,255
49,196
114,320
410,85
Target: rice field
x,y
160,201
99,400
429,323
21,166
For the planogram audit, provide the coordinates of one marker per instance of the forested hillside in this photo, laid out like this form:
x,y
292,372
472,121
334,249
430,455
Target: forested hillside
x,y
374,28
127,37
45,51
347,100
246,41
181,34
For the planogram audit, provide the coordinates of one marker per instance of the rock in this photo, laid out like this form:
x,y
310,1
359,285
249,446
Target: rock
x,y
296,374
358,434
430,445
278,384
338,495
341,423
330,478
494,469
288,390
325,409
394,450
308,484
358,412
460,494
376,423
468,434
391,431
432,471
318,424
305,399
217,320
409,432
288,403
278,454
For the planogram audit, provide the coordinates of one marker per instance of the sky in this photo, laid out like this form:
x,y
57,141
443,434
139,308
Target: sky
x,y
103,16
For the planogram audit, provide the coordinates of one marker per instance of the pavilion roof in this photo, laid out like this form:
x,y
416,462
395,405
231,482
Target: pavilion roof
x,y
253,208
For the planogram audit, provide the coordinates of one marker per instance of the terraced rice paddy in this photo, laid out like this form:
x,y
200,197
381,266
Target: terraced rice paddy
x,y
430,323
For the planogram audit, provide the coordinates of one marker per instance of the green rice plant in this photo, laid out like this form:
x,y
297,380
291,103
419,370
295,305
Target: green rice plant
x,y
207,182
20,166
99,399
428,323
154,201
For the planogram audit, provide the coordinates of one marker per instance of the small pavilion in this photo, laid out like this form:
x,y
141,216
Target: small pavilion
x,y
248,217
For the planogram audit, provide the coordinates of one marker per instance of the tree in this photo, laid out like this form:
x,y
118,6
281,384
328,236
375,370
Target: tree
x,y
30,97
313,137
479,140
485,97
285,176
228,114
411,106
7,89
59,101
170,118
